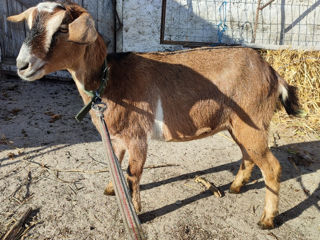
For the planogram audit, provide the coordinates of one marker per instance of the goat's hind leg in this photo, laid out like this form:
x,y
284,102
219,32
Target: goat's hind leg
x,y
254,146
271,171
243,175
244,172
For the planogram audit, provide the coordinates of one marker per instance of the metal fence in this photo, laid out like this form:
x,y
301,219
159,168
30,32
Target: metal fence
x,y
294,23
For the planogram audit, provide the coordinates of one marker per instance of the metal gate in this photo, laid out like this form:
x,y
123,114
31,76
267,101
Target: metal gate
x,y
257,23
13,34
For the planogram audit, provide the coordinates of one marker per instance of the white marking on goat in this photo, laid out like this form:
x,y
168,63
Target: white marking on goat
x,y
30,17
283,91
79,84
33,64
24,54
29,21
263,176
157,132
52,26
47,6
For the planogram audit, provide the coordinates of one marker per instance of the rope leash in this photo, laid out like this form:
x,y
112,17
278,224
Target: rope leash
x,y
127,210
122,192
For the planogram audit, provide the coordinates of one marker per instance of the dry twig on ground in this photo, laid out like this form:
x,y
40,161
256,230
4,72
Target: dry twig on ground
x,y
17,230
209,186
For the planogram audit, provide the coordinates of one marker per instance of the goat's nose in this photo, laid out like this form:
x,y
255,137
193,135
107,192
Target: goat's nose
x,y
22,65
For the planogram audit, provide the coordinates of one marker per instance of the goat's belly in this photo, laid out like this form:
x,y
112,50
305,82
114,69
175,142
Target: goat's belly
x,y
164,132
200,133
176,136
170,124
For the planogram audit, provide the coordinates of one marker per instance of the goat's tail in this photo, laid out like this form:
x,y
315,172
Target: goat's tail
x,y
289,98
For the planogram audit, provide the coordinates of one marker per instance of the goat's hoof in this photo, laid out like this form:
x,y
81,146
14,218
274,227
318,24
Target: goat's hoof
x,y
109,190
234,190
137,206
265,225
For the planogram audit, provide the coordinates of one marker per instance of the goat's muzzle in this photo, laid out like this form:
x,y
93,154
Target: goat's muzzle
x,y
29,67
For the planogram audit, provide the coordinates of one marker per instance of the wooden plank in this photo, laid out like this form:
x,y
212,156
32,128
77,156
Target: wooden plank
x,y
119,40
8,32
80,2
18,33
14,33
102,13
2,27
91,6
105,22
28,3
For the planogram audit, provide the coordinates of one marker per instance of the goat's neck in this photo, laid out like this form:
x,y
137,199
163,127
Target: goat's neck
x,y
87,72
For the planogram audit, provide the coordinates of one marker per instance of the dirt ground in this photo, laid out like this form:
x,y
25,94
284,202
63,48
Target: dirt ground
x,y
56,166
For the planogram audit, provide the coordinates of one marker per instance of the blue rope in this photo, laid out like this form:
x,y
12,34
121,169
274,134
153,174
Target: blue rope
x,y
222,26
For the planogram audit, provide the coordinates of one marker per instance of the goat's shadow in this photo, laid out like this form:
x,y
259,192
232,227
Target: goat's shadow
x,y
289,172
39,117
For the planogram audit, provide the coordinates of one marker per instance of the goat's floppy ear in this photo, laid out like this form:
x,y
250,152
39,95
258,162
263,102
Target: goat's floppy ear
x,y
26,15
82,30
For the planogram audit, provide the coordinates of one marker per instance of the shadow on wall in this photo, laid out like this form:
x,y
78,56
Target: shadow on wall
x,y
183,23
285,29
232,22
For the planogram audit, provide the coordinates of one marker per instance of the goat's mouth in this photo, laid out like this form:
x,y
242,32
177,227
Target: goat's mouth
x,y
32,73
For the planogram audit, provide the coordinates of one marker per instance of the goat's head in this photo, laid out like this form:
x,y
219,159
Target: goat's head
x,y
59,34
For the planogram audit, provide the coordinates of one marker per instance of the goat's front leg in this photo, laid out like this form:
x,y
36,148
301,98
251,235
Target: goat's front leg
x,y
137,157
119,150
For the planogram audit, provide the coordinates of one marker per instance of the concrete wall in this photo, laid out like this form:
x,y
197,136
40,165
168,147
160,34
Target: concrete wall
x,y
141,26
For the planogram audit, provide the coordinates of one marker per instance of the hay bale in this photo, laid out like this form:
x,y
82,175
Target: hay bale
x,y
300,69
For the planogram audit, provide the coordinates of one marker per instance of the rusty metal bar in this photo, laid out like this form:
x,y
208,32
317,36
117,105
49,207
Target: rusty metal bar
x,y
266,5
114,11
253,40
163,21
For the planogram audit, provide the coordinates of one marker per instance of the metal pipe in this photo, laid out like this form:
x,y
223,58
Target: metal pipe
x,y
253,40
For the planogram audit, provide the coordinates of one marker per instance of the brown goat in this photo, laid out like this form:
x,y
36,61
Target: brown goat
x,y
174,96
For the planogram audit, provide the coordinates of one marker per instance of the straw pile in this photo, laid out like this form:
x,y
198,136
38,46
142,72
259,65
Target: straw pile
x,y
300,69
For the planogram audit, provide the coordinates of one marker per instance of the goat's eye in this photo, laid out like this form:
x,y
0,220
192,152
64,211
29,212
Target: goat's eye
x,y
63,28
